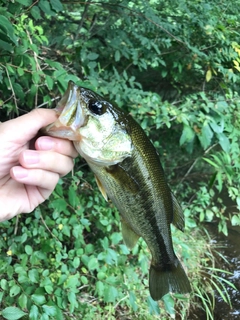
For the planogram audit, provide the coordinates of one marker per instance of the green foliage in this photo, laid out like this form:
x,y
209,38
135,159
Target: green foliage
x,y
72,262
175,66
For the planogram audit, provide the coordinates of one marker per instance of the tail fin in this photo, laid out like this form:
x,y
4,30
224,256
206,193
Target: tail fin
x,y
172,280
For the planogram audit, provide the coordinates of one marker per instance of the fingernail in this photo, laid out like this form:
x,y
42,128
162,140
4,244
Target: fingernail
x,y
19,172
45,143
31,157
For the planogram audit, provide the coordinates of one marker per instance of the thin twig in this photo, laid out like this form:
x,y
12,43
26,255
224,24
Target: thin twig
x,y
196,160
44,223
37,66
124,298
10,83
82,20
16,225
45,103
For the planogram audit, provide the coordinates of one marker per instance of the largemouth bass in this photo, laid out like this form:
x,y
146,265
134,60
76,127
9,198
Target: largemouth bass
x,y
129,173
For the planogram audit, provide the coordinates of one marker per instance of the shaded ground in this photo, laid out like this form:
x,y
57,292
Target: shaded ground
x,y
230,249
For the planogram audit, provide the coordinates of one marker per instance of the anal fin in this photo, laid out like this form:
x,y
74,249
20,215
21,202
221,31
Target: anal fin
x,y
129,236
178,217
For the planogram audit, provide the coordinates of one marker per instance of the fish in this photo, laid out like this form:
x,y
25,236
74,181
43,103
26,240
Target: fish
x,y
129,173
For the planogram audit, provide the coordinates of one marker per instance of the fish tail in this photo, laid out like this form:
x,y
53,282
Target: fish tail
x,y
171,279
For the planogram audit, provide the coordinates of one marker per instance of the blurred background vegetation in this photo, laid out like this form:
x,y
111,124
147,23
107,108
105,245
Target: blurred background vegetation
x,y
175,65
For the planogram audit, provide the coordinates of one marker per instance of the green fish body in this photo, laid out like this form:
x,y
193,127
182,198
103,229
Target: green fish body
x,y
129,173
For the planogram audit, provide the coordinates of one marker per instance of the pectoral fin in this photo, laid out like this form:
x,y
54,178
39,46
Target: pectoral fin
x,y
129,236
101,188
178,217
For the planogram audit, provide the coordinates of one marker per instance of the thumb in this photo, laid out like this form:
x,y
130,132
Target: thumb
x,y
25,127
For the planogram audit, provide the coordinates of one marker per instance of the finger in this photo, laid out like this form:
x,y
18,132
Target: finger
x,y
55,144
46,160
35,177
28,125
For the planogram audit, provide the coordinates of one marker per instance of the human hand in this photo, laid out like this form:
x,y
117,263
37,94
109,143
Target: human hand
x,y
28,177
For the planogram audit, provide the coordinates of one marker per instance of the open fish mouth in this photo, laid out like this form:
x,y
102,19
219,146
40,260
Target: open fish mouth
x,y
71,116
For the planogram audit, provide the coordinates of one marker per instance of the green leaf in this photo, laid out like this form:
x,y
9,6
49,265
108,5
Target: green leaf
x,y
235,220
132,301
191,223
34,313
76,262
4,284
25,2
10,271
58,314
44,5
1,296
7,28
73,301
66,230
116,237
117,55
217,128
38,299
224,141
72,281
22,301
13,313
238,202
125,75
201,216
59,204
205,136
49,310
84,280
220,181
169,304
35,12
215,165
24,237
49,82
153,306
72,196
93,263
56,5
34,275
49,289
18,90
101,275
100,288
187,136
93,56
54,64
110,293
14,290
208,75
6,46
89,248
28,250
209,215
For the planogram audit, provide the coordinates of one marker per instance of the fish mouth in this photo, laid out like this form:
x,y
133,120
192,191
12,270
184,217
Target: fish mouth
x,y
71,116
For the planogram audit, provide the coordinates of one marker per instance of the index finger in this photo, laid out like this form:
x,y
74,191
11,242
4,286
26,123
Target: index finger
x,y
25,127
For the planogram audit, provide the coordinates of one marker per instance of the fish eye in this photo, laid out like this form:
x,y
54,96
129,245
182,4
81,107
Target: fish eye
x,y
97,107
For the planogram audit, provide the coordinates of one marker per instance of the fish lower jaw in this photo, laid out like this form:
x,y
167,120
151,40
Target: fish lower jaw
x,y
60,130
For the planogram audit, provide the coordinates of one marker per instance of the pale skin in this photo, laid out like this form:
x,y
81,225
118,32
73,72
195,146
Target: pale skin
x,y
28,177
